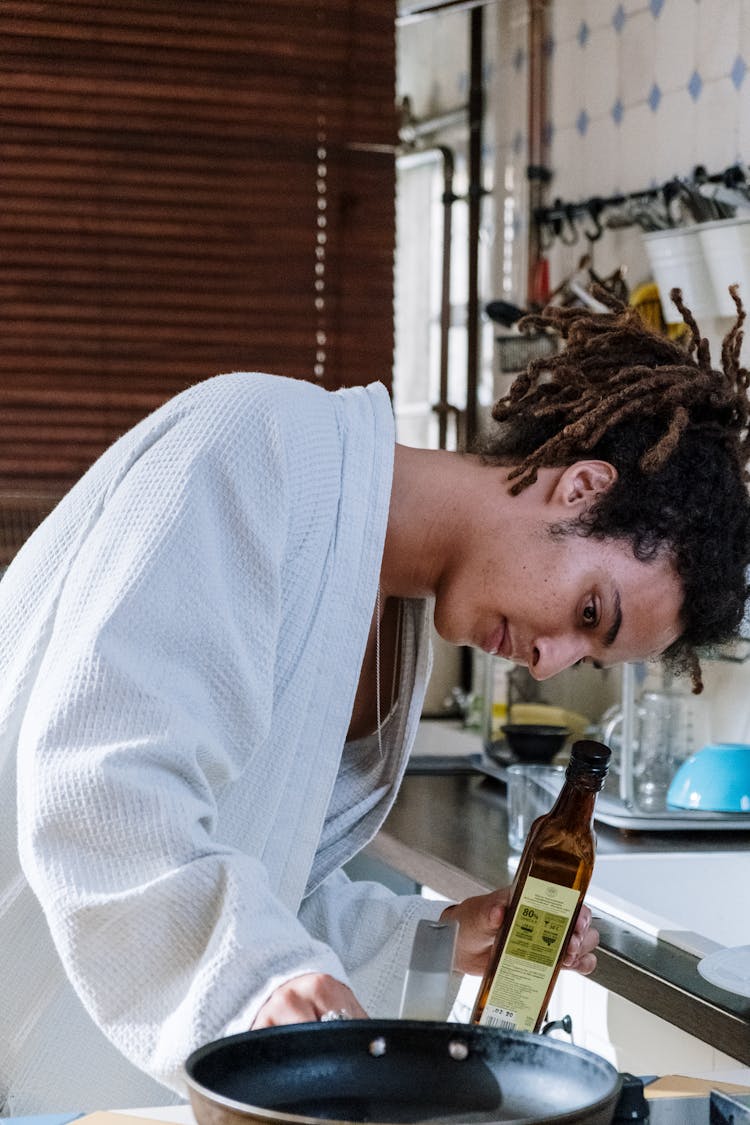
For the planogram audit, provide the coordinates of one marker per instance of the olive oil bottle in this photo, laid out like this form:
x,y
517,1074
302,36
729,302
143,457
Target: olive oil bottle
x,y
553,875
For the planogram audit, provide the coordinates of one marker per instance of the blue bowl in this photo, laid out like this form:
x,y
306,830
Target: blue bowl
x,y
716,779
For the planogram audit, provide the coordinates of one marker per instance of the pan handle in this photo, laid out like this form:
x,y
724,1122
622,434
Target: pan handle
x,y
427,983
565,1024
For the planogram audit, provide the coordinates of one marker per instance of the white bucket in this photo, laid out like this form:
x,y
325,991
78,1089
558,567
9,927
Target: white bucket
x,y
726,249
677,262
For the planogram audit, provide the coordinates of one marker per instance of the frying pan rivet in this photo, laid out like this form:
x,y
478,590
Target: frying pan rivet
x,y
378,1047
457,1049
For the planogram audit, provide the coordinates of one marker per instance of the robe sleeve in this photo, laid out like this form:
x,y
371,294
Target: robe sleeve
x,y
373,929
143,711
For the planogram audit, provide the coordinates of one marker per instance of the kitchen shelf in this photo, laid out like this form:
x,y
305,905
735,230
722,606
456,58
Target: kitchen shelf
x,y
612,811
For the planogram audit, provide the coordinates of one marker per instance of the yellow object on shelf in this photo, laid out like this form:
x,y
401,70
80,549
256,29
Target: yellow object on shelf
x,y
546,714
646,299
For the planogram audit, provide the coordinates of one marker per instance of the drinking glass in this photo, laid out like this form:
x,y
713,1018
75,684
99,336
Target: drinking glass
x,y
532,790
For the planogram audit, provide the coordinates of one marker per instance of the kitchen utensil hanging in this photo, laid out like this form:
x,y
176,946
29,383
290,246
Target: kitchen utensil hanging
x,y
516,352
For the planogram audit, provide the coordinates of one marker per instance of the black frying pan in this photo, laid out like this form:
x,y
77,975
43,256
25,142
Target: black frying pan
x,y
394,1071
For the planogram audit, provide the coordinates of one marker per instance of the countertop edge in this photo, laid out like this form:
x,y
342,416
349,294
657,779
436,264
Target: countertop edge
x,y
622,956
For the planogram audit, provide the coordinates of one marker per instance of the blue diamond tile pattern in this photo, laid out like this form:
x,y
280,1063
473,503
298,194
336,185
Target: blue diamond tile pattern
x,y
695,85
656,7
582,122
738,72
618,19
583,34
654,97
617,112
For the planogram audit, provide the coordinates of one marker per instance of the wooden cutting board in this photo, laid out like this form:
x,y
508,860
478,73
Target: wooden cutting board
x,y
680,1086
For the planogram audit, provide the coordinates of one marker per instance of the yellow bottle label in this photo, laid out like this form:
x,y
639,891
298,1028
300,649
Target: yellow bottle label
x,y
531,952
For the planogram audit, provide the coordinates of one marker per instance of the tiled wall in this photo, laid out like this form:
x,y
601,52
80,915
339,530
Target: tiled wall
x,y
643,90
640,91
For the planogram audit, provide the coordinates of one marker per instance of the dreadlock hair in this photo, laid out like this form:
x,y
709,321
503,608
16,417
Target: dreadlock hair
x,y
676,431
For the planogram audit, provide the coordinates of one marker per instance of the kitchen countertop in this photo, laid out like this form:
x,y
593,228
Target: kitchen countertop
x,y
449,832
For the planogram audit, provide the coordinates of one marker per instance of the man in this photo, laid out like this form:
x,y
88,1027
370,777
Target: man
x,y
214,654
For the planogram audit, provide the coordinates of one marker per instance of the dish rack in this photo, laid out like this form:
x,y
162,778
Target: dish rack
x,y
619,808
616,805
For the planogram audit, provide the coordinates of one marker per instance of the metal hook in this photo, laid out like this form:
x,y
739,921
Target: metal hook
x,y
595,208
735,176
670,191
572,238
546,235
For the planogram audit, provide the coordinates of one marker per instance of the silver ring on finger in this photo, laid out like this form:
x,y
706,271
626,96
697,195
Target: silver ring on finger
x,y
330,1015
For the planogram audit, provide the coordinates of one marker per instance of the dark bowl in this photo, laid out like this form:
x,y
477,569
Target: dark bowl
x,y
531,742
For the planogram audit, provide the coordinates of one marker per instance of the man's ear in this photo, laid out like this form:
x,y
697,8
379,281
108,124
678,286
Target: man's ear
x,y
583,481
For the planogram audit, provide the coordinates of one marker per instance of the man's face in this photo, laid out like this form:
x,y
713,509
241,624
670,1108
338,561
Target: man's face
x,y
549,601
591,600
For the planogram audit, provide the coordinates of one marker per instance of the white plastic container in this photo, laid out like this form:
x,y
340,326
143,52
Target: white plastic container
x,y
726,250
678,262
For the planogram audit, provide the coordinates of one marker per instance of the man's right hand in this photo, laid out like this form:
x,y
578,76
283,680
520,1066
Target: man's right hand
x,y
306,998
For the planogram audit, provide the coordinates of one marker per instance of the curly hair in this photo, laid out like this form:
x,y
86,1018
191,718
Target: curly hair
x,y
675,429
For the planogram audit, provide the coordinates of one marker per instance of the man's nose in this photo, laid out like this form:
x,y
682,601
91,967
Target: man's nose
x,y
550,655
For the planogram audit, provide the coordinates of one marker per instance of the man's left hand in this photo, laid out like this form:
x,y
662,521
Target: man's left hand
x,y
480,917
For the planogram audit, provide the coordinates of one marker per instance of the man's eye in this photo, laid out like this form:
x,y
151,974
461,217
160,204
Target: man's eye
x,y
590,613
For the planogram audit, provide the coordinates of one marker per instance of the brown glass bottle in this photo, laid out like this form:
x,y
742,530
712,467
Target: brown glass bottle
x,y
553,875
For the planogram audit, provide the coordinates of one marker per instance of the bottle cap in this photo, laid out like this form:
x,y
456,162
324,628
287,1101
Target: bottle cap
x,y
587,750
591,755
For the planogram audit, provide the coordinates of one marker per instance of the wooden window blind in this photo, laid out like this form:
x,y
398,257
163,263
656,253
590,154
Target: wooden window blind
x,y
185,189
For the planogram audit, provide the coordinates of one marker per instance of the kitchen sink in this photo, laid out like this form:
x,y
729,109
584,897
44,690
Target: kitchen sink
x,y
697,901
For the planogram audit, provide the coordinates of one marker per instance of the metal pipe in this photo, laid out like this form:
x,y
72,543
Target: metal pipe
x,y
537,111
413,128
408,158
443,406
414,159
476,191
409,13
